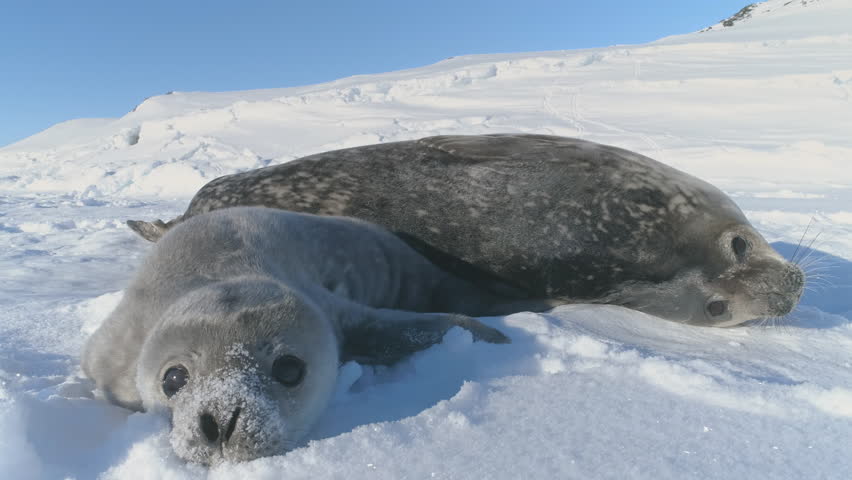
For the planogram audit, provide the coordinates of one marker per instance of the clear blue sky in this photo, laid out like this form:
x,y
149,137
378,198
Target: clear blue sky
x,y
69,59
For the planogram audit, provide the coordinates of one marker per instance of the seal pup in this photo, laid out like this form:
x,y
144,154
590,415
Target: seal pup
x,y
236,323
538,216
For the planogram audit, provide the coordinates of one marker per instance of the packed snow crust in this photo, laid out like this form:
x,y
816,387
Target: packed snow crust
x,y
763,109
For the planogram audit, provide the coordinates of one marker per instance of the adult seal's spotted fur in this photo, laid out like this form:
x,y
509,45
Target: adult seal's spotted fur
x,y
540,217
237,321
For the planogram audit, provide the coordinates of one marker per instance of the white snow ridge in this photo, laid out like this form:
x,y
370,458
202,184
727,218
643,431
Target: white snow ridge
x,y
762,108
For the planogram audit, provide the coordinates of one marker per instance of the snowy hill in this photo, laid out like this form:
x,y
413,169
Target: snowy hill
x,y
764,10
761,108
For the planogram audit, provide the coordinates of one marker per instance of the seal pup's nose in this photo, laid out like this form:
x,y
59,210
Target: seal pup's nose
x,y
232,424
210,428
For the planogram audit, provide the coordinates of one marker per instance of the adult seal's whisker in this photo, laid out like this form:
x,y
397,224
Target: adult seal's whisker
x,y
793,257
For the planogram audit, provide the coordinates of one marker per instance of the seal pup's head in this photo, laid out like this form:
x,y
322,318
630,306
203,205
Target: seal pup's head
x,y
244,367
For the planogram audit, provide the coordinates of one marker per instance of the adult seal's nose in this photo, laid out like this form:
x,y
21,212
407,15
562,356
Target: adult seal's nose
x,y
795,280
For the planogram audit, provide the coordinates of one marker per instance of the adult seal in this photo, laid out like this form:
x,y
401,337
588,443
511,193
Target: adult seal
x,y
540,217
237,321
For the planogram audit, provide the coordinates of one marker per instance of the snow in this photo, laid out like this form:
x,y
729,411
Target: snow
x,y
763,109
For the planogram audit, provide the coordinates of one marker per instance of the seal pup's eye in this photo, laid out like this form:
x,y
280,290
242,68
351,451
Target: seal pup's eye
x,y
288,370
717,307
174,379
739,245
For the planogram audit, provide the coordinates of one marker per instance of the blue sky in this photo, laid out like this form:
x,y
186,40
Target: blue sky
x,y
70,59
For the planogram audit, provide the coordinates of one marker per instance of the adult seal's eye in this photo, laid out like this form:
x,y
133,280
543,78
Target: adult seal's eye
x,y
288,370
716,308
739,245
174,379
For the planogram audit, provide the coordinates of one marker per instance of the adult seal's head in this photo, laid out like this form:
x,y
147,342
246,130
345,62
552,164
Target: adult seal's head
x,y
540,217
726,274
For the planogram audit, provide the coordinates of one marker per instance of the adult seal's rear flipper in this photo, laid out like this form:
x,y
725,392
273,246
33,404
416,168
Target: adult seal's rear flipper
x,y
151,231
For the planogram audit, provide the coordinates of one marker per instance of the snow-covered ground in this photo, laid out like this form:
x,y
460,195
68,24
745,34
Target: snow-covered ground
x,y
762,109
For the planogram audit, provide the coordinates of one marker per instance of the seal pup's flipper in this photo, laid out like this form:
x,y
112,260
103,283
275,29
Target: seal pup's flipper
x,y
384,337
151,231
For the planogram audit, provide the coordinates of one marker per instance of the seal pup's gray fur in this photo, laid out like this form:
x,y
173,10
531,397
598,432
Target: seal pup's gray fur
x,y
257,308
537,216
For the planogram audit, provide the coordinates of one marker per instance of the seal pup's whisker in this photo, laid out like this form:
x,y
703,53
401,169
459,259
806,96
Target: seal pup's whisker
x,y
761,322
772,322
